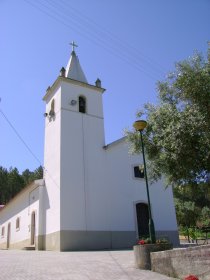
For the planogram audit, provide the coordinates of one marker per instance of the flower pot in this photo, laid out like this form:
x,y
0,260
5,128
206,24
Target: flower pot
x,y
142,253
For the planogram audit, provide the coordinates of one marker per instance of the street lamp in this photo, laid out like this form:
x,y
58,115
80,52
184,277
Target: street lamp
x,y
140,126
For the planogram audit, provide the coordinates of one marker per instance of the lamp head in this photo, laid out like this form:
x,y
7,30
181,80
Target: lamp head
x,y
140,125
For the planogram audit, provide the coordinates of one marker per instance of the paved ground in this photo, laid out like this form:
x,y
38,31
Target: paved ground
x,y
43,265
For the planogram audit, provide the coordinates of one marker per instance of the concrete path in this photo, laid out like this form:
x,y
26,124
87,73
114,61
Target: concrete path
x,y
43,265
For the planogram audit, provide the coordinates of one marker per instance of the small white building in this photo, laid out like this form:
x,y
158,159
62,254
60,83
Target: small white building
x,y
92,195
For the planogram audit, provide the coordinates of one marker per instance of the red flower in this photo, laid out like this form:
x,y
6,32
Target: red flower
x,y
141,242
191,277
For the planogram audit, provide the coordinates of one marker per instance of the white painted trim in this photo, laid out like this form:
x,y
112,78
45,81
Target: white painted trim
x,y
71,81
119,141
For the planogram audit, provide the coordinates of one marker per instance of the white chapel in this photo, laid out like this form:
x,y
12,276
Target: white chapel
x,y
93,195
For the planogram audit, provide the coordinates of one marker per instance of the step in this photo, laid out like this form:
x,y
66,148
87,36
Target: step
x,y
29,248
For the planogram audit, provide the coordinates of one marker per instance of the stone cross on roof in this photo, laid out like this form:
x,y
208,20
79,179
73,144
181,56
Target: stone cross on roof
x,y
73,45
73,69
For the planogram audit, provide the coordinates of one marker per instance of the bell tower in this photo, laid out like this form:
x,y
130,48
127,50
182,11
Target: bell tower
x,y
74,140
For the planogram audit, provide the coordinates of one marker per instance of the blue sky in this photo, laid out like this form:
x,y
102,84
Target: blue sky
x,y
129,45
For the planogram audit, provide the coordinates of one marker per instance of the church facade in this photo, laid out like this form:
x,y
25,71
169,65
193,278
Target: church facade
x,y
93,195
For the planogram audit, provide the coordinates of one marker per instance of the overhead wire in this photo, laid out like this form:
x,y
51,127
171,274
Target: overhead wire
x,y
113,37
97,41
52,11
26,145
20,137
105,36
93,33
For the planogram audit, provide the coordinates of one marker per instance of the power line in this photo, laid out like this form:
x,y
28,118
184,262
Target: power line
x,y
113,37
20,137
101,34
89,33
26,146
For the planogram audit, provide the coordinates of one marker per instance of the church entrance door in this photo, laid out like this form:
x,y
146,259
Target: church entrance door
x,y
142,214
8,235
33,228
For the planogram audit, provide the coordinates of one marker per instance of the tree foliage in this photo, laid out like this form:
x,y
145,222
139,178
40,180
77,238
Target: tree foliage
x,y
11,182
177,137
192,204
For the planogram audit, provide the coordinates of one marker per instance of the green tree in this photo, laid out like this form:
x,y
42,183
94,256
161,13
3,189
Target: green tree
x,y
11,182
191,215
15,183
3,185
38,173
27,176
192,204
205,217
187,213
200,195
177,137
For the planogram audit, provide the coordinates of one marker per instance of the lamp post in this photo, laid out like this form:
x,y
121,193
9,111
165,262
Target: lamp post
x,y
140,126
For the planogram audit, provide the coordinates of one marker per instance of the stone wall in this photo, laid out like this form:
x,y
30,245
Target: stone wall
x,y
182,262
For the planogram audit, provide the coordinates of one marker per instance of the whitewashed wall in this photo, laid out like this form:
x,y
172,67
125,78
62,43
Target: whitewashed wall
x,y
82,155
52,163
22,206
90,188
126,191
98,188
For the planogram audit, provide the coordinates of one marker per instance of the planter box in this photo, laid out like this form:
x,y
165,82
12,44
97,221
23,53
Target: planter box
x,y
142,253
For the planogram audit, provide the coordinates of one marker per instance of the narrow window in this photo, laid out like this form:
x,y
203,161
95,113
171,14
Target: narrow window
x,y
8,235
52,108
33,228
139,171
82,105
53,105
18,223
2,232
